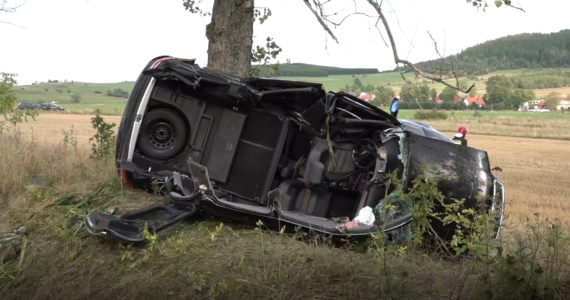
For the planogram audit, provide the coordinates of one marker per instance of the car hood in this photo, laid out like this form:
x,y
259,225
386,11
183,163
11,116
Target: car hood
x,y
423,129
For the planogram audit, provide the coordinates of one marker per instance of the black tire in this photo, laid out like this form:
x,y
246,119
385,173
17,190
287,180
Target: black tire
x,y
163,134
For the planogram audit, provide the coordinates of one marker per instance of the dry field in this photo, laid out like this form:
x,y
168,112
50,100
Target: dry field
x,y
536,128
536,171
562,91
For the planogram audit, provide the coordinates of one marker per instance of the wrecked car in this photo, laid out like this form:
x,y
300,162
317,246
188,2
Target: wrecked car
x,y
283,152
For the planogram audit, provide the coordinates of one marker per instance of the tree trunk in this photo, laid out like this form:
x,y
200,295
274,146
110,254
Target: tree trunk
x,y
230,37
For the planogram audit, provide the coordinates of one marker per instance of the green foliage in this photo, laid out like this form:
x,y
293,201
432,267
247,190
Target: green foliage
x,y
103,142
70,139
521,51
433,94
448,94
308,70
552,100
484,5
384,96
545,80
358,83
430,115
415,91
192,7
75,98
502,91
263,55
8,102
118,92
474,226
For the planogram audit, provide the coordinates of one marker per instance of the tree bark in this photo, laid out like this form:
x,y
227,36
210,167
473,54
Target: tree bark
x,y
230,37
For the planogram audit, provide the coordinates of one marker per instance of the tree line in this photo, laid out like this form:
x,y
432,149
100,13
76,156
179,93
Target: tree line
x,y
546,80
521,51
308,70
502,92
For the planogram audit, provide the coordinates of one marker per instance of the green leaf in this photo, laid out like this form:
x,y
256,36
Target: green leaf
x,y
498,3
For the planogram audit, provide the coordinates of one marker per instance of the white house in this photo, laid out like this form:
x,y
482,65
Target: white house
x,y
563,105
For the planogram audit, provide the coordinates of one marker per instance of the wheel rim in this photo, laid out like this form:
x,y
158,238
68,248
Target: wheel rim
x,y
161,134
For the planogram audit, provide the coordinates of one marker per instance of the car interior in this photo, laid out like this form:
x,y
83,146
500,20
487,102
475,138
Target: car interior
x,y
321,152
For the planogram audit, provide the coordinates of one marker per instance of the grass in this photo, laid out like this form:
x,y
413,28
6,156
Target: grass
x,y
47,177
90,100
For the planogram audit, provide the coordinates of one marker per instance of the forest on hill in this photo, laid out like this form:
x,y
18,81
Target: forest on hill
x,y
521,51
308,70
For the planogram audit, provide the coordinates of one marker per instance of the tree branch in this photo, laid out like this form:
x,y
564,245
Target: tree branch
x,y
455,75
398,60
381,17
8,9
325,27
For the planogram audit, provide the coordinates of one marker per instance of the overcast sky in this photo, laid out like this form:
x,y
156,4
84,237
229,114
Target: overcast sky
x,y
111,40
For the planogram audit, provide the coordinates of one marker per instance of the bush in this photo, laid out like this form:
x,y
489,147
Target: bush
x,y
118,93
430,115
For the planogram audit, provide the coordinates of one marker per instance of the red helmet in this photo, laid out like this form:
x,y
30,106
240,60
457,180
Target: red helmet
x,y
463,130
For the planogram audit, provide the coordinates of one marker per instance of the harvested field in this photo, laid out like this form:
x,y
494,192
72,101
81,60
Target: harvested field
x,y
562,91
535,128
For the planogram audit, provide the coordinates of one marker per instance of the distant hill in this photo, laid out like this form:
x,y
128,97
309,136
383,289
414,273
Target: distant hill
x,y
308,70
521,51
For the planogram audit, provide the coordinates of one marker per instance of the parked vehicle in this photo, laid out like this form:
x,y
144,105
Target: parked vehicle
x,y
51,106
283,152
27,105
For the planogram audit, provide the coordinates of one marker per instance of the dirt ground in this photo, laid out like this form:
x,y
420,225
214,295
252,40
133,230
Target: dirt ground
x,y
535,171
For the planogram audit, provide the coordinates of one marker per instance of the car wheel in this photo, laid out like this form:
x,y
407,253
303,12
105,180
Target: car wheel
x,y
163,134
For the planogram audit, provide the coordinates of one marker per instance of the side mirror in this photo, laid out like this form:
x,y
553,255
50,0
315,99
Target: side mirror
x,y
395,107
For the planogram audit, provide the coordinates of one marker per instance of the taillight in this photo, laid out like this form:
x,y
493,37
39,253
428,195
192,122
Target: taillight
x,y
158,62
126,178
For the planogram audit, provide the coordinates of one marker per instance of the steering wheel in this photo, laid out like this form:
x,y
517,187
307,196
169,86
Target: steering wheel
x,y
364,153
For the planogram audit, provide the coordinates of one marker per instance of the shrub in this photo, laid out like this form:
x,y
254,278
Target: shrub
x,y
430,115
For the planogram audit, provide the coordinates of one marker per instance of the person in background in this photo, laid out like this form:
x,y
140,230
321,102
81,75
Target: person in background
x,y
395,106
460,138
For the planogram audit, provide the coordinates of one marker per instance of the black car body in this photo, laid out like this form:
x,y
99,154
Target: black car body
x,y
28,105
243,141
51,107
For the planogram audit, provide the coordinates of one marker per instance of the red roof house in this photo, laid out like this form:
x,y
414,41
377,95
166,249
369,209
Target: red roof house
x,y
470,100
367,97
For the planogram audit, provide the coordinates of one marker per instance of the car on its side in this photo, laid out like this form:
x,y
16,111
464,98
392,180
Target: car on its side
x,y
283,152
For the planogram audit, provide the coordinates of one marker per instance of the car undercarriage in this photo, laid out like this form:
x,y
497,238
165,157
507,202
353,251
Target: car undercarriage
x,y
283,152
